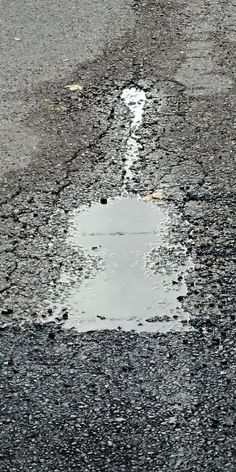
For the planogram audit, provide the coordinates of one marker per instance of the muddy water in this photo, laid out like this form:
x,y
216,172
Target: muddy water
x,y
126,292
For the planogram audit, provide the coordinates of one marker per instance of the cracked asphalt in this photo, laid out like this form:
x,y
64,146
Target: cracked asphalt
x,y
112,400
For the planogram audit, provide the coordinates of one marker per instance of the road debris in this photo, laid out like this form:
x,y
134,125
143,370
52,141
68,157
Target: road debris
x,y
154,196
74,87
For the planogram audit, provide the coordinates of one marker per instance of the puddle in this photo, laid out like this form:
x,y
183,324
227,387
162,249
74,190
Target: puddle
x,y
134,99
131,290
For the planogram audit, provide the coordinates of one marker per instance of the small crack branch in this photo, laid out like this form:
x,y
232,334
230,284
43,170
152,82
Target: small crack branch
x,y
11,197
95,141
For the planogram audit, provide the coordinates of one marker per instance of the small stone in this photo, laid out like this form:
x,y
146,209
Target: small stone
x,y
65,315
103,200
172,420
3,327
184,322
7,311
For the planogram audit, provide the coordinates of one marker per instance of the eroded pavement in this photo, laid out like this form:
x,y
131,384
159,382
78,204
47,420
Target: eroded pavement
x,y
118,400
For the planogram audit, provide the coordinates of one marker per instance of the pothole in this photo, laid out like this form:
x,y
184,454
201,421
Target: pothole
x,y
130,283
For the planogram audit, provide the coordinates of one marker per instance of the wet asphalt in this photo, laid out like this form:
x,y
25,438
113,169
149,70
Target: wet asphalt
x,y
114,400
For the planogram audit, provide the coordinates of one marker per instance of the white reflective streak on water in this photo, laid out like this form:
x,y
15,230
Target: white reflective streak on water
x,y
134,99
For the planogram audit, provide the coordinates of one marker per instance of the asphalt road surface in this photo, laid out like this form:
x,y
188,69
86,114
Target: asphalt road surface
x,y
116,400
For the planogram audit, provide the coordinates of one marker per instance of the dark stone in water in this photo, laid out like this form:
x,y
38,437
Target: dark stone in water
x,y
103,200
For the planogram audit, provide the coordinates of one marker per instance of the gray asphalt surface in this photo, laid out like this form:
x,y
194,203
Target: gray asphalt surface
x,y
113,400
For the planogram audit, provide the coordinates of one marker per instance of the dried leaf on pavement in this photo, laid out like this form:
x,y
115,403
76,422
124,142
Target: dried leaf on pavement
x,y
74,87
154,196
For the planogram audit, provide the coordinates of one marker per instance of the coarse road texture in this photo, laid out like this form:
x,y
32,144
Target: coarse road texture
x,y
110,400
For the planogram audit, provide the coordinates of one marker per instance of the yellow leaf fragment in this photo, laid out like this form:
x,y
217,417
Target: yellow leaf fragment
x,y
74,87
154,196
60,108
